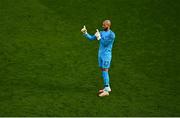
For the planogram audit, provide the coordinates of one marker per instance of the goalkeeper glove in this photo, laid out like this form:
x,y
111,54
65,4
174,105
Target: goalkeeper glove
x,y
97,34
84,30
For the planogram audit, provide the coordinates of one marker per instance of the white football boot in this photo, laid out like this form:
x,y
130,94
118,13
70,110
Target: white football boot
x,y
104,93
108,89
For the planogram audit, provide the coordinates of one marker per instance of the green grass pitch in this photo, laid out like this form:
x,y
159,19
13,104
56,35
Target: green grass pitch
x,y
48,69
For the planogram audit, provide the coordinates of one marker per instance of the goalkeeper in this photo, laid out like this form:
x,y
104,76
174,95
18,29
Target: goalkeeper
x,y
106,39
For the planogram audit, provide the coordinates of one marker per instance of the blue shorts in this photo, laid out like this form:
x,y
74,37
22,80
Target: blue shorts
x,y
104,61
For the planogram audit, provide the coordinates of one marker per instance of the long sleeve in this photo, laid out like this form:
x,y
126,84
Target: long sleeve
x,y
89,37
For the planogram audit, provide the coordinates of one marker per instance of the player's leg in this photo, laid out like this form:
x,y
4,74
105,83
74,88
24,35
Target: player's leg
x,y
100,62
105,75
107,89
106,61
105,67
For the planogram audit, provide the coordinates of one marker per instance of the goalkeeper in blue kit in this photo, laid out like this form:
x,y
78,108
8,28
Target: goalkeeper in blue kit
x,y
106,39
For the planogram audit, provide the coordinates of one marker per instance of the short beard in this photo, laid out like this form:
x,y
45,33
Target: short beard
x,y
106,29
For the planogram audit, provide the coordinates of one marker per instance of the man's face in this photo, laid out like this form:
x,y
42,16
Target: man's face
x,y
105,26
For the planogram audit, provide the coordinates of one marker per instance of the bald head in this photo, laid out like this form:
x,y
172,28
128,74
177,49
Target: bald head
x,y
106,25
108,22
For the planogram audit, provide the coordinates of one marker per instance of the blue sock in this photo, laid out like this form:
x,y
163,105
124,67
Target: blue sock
x,y
106,78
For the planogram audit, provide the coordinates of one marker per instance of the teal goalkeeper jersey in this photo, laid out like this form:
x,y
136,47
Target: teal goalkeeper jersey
x,y
106,42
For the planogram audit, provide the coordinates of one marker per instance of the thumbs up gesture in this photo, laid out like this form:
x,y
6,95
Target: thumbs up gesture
x,y
97,34
84,30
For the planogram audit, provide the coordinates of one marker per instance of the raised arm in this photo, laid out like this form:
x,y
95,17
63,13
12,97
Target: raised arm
x,y
89,37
